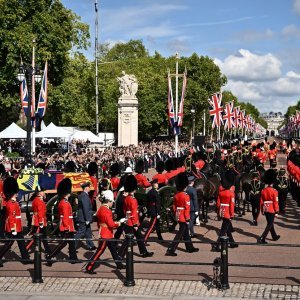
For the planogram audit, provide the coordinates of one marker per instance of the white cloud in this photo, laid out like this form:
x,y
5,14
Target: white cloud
x,y
296,6
248,66
290,31
180,44
254,36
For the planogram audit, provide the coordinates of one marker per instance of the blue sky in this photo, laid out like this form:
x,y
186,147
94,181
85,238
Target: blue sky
x,y
256,43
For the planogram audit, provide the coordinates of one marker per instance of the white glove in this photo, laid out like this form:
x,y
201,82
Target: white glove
x,y
123,220
158,217
87,222
196,213
14,233
41,225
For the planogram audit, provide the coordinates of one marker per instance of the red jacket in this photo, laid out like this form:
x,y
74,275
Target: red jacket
x,y
272,154
115,181
269,200
161,178
199,164
94,181
13,219
225,203
105,221
181,206
66,216
131,210
142,181
39,212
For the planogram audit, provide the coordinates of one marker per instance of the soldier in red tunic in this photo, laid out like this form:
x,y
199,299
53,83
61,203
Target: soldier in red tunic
x,y
93,172
181,208
13,219
114,171
66,224
106,224
225,207
269,206
142,181
39,219
130,208
160,176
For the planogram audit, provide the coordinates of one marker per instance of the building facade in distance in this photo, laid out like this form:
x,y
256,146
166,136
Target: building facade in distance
x,y
274,120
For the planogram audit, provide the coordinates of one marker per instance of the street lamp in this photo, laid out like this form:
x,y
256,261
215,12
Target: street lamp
x,y
33,73
193,126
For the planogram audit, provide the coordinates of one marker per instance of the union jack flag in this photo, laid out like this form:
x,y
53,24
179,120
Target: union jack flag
x,y
42,104
228,116
180,112
243,119
216,110
24,96
237,117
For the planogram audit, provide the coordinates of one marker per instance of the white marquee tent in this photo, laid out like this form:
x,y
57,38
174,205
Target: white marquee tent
x,y
13,131
86,135
52,131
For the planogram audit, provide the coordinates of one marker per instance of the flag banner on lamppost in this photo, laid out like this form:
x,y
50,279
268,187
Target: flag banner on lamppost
x,y
228,116
24,96
42,103
216,110
176,117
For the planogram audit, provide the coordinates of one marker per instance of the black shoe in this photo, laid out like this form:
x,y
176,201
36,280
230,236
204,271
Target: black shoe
x,y
192,236
27,262
254,223
192,250
233,245
120,266
147,254
276,238
215,248
261,241
48,261
92,248
75,261
92,272
170,253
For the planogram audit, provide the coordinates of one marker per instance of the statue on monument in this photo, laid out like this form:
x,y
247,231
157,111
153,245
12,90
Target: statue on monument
x,y
128,84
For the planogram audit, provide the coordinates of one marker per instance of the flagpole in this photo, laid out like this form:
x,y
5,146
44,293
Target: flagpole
x,y
204,123
32,108
176,106
96,67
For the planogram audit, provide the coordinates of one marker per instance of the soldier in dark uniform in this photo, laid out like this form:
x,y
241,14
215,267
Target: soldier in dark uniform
x,y
153,210
85,217
194,205
282,187
256,187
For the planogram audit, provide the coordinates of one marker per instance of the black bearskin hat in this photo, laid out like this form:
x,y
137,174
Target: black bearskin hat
x,y
2,170
10,187
160,166
139,167
169,165
181,181
70,166
64,187
227,180
270,176
114,169
202,155
92,168
130,184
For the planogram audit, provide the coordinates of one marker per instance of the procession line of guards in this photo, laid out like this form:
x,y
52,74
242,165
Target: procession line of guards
x,y
185,207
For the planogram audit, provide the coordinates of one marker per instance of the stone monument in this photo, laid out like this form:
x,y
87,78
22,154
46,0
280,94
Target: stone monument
x,y
127,110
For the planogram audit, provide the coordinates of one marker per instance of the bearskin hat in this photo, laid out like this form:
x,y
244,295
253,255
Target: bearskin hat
x,y
130,184
168,165
92,168
227,179
64,187
70,166
181,181
202,155
139,167
10,187
270,176
114,169
160,166
2,170
175,163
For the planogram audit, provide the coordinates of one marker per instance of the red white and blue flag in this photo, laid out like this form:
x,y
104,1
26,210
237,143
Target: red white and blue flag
x,y
236,117
24,96
216,110
228,116
180,112
243,119
42,103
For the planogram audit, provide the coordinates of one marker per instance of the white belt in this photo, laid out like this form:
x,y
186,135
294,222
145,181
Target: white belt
x,y
179,208
70,217
268,202
18,217
222,204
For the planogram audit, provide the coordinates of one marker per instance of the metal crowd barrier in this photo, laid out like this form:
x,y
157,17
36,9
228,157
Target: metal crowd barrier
x,y
129,279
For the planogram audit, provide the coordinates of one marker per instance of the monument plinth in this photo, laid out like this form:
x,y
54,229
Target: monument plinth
x,y
128,111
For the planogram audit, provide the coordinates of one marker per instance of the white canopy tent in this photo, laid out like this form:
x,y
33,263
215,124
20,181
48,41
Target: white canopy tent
x,y
53,131
86,135
13,131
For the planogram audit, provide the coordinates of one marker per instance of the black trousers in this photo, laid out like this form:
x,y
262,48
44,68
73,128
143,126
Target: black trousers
x,y
154,223
183,232
226,230
270,226
255,203
62,244
43,232
100,250
84,231
282,195
2,222
137,233
21,244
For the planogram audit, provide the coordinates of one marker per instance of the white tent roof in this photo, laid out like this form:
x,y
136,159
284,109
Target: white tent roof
x,y
52,131
13,131
86,135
